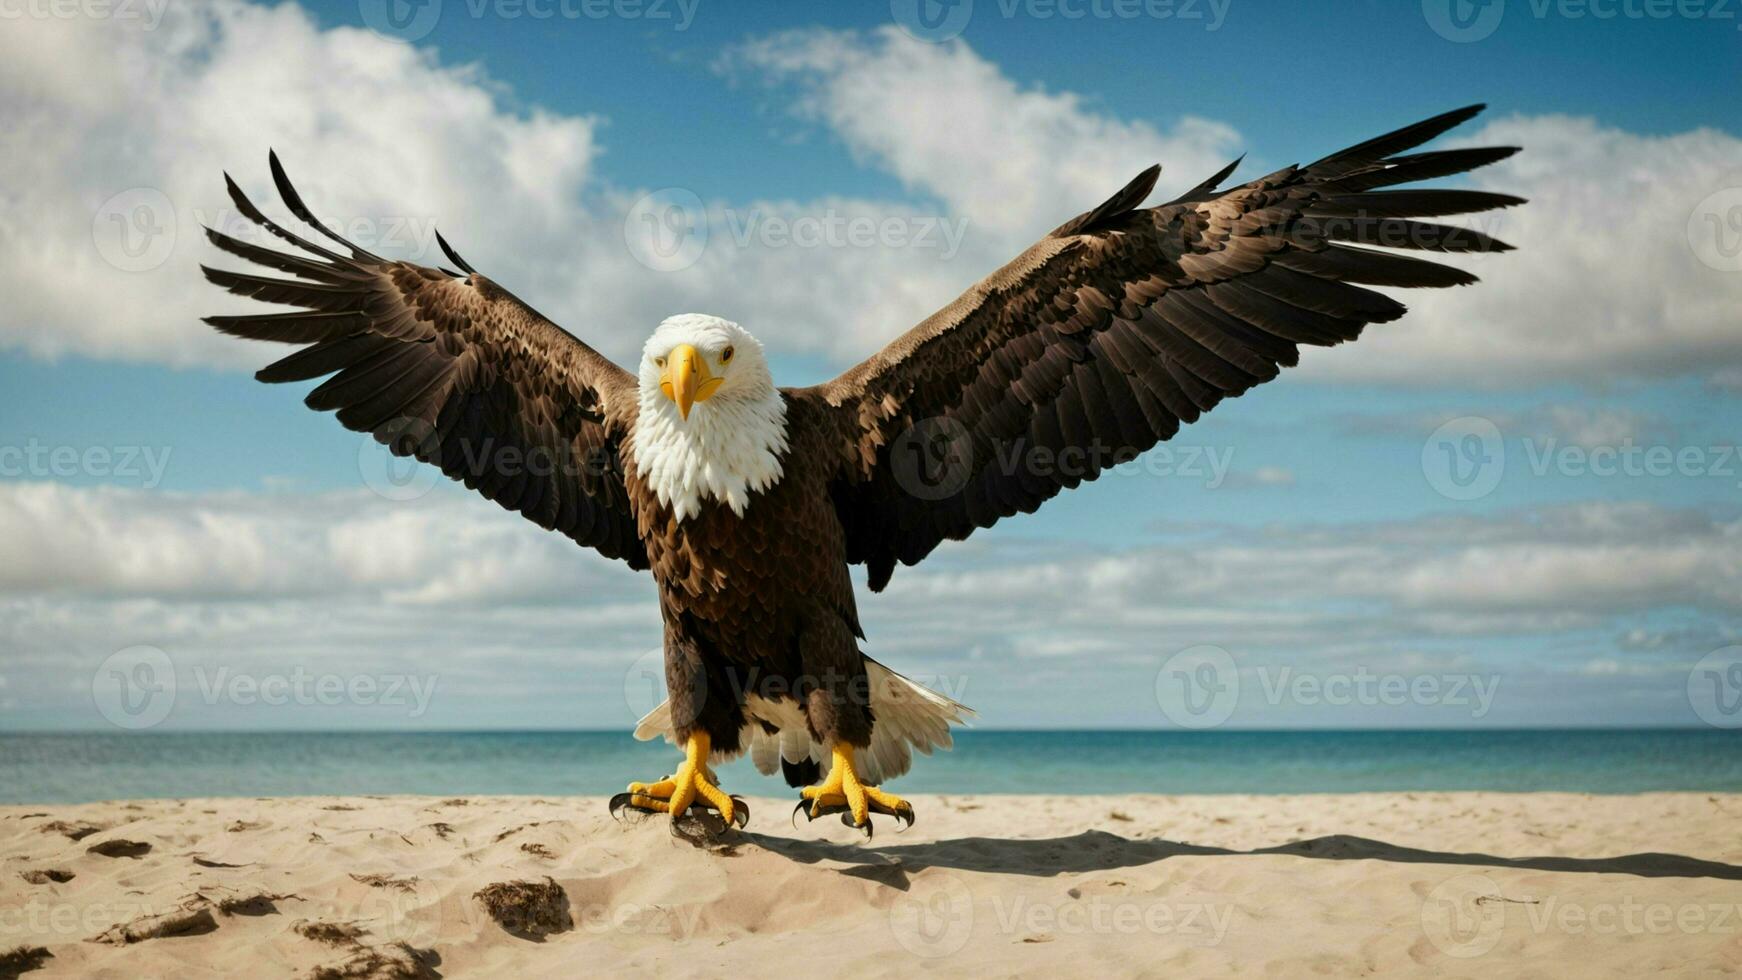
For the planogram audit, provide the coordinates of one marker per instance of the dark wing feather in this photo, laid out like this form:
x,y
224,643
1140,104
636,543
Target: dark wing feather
x,y
451,370
1111,332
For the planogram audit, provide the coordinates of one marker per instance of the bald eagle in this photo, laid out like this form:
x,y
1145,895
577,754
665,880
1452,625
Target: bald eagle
x,y
750,502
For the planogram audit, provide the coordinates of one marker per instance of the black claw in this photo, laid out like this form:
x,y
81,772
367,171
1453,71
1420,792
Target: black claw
x,y
619,803
692,829
903,814
847,821
740,811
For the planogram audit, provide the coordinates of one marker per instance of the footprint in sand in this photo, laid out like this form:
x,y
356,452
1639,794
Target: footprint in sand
x,y
71,831
528,909
120,847
23,959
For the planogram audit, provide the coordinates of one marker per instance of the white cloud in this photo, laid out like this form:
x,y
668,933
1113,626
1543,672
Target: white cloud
x,y
386,140
1035,632
1018,161
447,546
1606,283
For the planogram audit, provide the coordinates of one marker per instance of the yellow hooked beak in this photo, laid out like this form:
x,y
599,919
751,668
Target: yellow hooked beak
x,y
687,379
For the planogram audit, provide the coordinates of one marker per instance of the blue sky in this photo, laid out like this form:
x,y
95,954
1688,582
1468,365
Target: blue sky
x,y
1307,527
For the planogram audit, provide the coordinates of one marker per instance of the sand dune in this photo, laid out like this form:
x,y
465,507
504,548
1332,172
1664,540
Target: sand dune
x,y
1411,884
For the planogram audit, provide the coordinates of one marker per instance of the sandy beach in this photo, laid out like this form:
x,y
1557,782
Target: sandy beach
x,y
1396,883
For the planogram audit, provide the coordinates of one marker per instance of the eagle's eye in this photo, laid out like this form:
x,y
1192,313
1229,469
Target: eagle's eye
x,y
726,356
659,362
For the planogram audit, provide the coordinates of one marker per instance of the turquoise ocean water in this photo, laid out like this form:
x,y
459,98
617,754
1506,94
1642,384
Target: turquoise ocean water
x,y
63,768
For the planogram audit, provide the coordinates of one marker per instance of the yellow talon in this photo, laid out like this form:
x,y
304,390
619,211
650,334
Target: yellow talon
x,y
677,792
662,789
843,788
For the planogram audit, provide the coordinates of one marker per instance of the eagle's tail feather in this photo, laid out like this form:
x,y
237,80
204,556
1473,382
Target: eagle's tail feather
x,y
908,716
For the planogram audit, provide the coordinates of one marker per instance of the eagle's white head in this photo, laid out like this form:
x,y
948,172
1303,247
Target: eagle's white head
x,y
711,423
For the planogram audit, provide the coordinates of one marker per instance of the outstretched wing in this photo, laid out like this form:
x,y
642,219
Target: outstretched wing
x,y
450,369
1107,335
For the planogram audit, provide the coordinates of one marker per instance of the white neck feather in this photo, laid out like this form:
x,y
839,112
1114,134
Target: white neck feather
x,y
730,447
